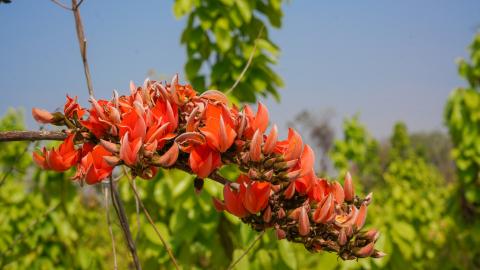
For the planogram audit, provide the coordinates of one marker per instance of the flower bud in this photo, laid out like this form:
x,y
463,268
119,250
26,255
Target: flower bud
x,y
42,116
338,192
378,254
267,214
281,213
280,234
303,222
365,251
342,237
362,215
290,191
271,141
371,235
111,147
256,146
348,188
112,160
167,159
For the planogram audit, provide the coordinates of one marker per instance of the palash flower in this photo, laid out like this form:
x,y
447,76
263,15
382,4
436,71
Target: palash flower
x,y
93,168
72,107
58,160
203,160
129,150
219,128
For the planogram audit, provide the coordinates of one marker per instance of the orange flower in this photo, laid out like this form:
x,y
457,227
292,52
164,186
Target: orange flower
x,y
129,149
71,107
219,128
58,160
133,124
93,168
256,196
292,147
204,160
259,121
96,121
234,200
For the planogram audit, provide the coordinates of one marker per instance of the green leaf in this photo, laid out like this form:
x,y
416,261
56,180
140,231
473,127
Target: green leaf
x,y
244,263
222,34
152,235
287,254
182,7
245,9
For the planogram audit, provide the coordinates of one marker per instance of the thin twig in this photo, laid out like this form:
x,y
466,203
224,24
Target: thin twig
x,y
122,218
82,42
150,220
62,5
246,251
78,5
250,58
109,223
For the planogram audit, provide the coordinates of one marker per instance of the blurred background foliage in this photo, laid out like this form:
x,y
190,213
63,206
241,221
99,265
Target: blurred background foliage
x,y
426,204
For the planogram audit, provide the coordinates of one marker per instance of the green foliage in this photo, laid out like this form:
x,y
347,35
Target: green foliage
x,y
409,201
219,38
358,153
462,116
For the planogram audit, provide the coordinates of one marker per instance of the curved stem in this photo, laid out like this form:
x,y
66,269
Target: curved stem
x,y
246,251
150,220
122,217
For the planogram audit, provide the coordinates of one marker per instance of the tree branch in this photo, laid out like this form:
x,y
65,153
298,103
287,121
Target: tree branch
x,y
8,136
82,42
122,217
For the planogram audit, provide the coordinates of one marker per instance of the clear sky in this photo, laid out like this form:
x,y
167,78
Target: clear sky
x,y
388,60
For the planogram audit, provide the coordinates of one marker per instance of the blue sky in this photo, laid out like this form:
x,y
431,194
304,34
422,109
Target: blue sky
x,y
388,60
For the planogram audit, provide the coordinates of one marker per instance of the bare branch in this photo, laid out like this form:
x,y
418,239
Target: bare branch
x,y
7,136
62,5
122,217
150,220
246,251
109,223
82,42
78,5
250,58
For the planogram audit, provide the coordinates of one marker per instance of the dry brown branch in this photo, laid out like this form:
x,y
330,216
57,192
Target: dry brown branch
x,y
122,217
8,136
82,42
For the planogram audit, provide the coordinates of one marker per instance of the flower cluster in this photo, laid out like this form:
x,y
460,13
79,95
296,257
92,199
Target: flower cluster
x,y
171,125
